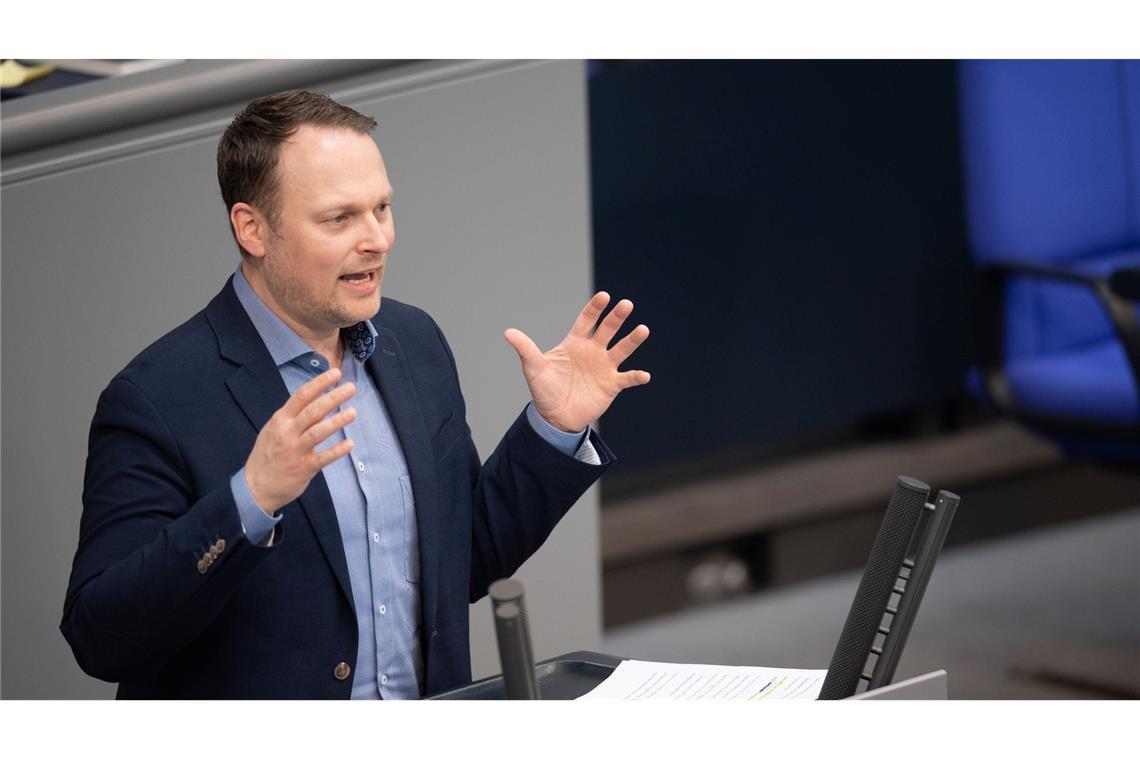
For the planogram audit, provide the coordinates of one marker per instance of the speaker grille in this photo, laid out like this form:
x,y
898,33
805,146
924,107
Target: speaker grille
x,y
874,592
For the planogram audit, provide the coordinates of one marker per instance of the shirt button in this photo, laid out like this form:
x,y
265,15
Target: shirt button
x,y
360,466
315,362
383,609
383,679
375,538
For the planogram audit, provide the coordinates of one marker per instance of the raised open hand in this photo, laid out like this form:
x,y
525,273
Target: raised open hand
x,y
573,383
284,457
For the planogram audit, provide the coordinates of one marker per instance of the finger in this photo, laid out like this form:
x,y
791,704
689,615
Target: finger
x,y
613,322
319,407
629,344
319,459
588,317
529,354
632,378
310,391
315,435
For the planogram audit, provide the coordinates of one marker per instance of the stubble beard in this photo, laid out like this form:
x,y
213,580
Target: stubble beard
x,y
291,293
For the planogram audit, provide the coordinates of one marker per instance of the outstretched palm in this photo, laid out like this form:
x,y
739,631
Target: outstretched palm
x,y
573,383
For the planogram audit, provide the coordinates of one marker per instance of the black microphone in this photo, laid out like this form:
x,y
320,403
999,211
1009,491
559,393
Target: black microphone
x,y
513,636
872,600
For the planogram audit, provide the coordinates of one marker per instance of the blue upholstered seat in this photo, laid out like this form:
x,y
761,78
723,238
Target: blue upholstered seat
x,y
1051,153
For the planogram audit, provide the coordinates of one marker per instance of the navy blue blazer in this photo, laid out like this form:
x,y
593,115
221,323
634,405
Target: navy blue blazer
x,y
146,609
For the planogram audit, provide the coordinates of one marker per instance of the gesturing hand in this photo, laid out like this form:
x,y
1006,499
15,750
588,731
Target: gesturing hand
x,y
573,383
284,459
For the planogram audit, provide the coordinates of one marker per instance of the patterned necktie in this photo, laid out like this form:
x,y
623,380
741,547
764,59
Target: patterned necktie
x,y
359,341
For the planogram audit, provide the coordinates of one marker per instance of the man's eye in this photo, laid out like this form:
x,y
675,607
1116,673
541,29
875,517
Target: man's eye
x,y
338,219
383,207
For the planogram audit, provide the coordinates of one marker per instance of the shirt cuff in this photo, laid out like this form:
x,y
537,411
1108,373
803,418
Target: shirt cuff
x,y
257,526
575,445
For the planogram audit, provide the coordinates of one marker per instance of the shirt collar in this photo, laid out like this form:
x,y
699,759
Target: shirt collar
x,y
283,343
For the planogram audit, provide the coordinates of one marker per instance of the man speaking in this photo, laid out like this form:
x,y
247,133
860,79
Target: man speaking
x,y
282,498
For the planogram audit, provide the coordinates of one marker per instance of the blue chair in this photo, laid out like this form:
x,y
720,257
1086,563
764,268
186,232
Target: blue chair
x,y
1051,160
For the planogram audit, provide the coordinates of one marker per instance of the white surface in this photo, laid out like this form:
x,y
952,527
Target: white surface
x,y
640,681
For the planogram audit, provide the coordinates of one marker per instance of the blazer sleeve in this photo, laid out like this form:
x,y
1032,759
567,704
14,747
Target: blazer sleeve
x,y
156,562
522,491
519,494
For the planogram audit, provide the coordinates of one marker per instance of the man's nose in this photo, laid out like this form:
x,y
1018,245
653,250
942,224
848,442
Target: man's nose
x,y
378,238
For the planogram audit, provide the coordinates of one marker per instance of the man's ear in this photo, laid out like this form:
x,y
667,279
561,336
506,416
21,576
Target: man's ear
x,y
250,227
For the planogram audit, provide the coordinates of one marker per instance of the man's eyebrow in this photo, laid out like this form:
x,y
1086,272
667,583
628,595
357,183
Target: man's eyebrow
x,y
346,206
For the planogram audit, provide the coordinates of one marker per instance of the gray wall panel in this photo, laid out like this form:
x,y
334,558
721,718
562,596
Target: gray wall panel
x,y
493,231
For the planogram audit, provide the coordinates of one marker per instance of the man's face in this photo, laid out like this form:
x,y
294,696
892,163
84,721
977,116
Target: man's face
x,y
335,222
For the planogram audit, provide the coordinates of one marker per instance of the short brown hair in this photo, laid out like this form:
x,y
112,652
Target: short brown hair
x,y
248,150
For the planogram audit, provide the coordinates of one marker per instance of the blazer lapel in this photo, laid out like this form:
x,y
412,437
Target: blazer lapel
x,y
258,389
390,372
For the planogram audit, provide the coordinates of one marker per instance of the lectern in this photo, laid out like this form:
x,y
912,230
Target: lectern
x,y
886,602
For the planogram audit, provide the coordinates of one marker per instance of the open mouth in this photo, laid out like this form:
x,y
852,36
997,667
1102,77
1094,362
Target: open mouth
x,y
360,278
361,283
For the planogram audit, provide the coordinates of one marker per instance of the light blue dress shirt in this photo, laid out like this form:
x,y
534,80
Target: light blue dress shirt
x,y
372,495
